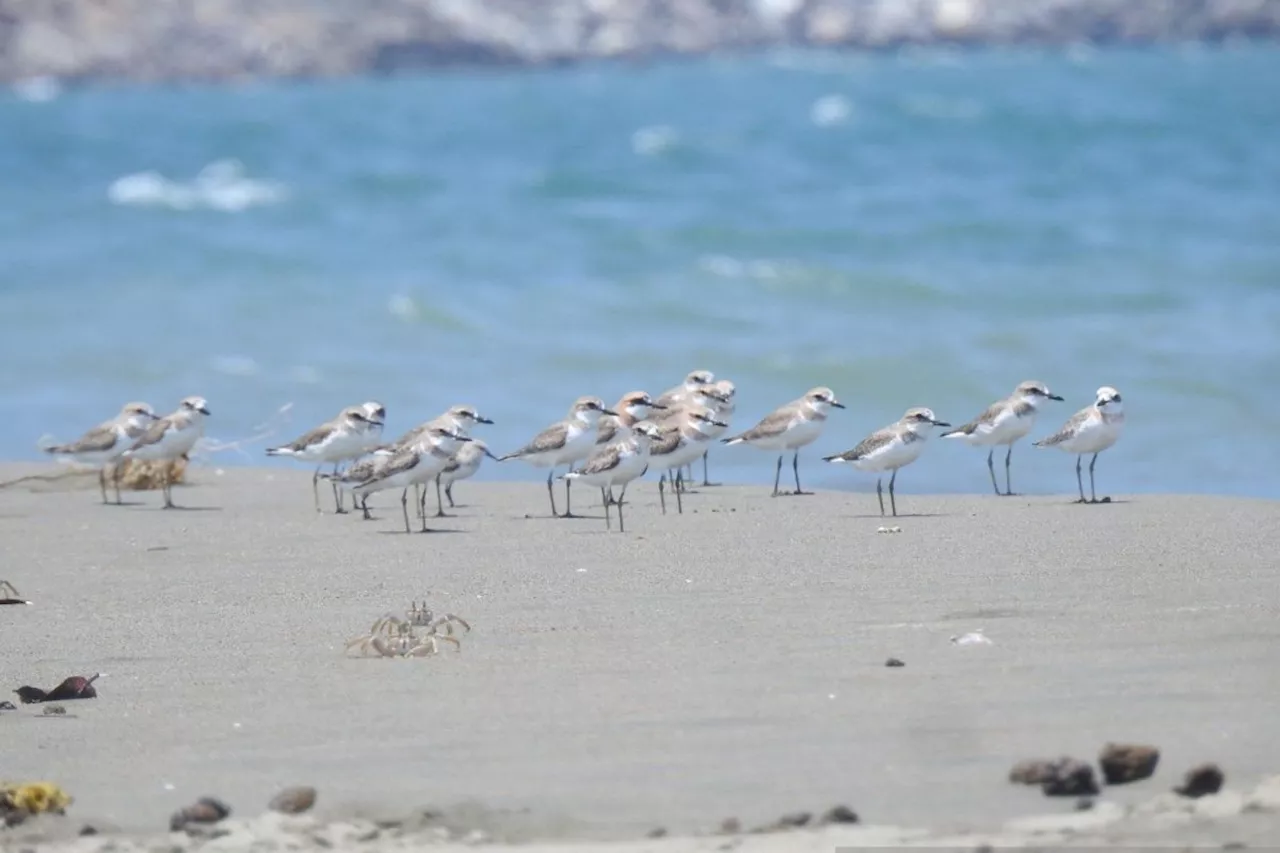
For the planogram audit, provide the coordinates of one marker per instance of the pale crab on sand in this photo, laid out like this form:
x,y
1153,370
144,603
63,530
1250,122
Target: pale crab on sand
x,y
416,635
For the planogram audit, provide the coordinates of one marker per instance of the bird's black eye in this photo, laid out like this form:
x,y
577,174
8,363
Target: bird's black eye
x,y
1116,398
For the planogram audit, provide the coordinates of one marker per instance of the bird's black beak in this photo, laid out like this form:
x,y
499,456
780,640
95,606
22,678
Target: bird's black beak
x,y
720,424
608,412
1057,397
461,437
204,410
489,453
941,423
838,405
484,420
659,407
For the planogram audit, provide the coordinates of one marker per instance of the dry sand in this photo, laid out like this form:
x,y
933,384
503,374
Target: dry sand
x,y
729,661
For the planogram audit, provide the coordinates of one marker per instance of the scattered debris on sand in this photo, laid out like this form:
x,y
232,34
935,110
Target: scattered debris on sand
x,y
1123,763
1200,781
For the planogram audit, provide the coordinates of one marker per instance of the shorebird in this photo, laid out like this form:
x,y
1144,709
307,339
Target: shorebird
x,y
1091,430
724,406
680,393
104,444
375,418
171,438
461,418
462,465
681,440
791,427
564,443
617,464
334,441
416,464
1004,422
631,408
891,448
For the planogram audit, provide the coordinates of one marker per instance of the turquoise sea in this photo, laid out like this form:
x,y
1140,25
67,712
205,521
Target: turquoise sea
x,y
927,228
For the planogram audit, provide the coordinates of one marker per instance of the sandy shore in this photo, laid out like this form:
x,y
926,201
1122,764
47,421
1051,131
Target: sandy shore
x,y
727,662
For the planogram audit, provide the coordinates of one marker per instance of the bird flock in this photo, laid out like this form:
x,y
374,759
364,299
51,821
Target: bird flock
x,y
602,447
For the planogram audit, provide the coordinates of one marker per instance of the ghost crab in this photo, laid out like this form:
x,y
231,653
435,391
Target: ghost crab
x,y
417,635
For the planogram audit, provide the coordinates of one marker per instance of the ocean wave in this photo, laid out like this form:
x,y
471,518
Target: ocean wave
x,y
830,110
37,90
222,185
651,141
943,108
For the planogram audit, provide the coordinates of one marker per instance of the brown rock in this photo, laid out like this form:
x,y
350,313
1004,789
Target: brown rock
x,y
1201,780
894,662
1071,778
204,810
295,800
1123,762
1035,771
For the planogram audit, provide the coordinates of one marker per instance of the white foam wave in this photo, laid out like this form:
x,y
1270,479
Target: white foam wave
x,y
403,307
37,90
830,110
651,141
236,365
222,185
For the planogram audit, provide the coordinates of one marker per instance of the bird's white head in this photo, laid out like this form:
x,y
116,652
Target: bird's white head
x,y
636,405
589,410
195,405
822,400
137,415
648,430
697,378
374,412
703,419
1108,401
446,438
464,416
921,421
1034,393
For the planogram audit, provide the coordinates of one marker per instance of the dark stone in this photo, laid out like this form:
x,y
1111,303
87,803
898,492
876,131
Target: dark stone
x,y
1200,781
1123,763
794,820
1071,778
88,830
8,706
840,814
295,800
1084,804
730,826
657,832
204,810
894,662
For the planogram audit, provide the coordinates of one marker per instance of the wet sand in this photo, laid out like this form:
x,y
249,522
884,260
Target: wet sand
x,y
729,661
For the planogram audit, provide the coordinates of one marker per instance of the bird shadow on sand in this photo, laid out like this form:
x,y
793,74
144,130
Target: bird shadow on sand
x,y
888,518
187,508
428,532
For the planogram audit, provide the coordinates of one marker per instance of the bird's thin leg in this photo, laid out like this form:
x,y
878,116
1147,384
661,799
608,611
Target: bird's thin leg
x,y
795,469
364,506
880,494
1079,482
167,486
893,504
404,508
115,480
1092,492
337,493
551,492
439,499
604,501
706,478
662,493
315,487
568,512
991,466
102,482
777,475
448,493
424,515
679,501
1008,480
622,525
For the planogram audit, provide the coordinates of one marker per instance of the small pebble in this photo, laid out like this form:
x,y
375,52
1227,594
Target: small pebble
x,y
840,814
794,820
1084,804
54,710
295,800
1200,781
657,832
1071,779
8,706
731,826
88,830
894,662
1034,771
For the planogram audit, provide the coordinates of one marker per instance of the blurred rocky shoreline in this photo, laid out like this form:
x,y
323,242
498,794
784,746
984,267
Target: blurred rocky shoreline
x,y
157,40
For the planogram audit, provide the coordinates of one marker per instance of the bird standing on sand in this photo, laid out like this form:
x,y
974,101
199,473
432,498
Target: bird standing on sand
x,y
1093,429
171,438
564,443
617,464
462,465
334,441
1004,422
791,427
106,443
891,448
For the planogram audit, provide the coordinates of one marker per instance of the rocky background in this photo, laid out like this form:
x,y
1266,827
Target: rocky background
x,y
228,39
